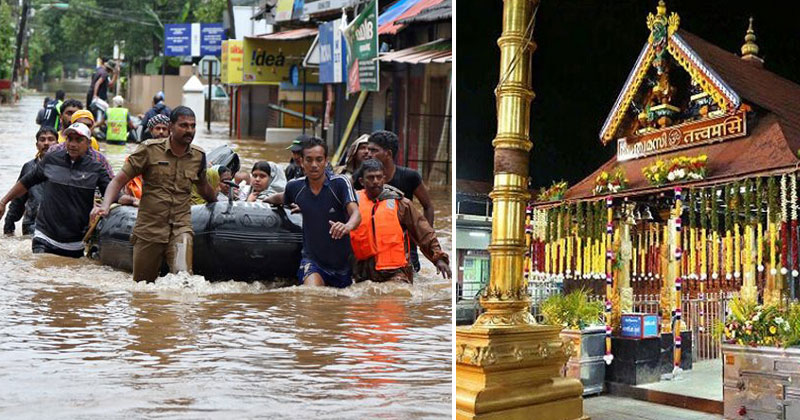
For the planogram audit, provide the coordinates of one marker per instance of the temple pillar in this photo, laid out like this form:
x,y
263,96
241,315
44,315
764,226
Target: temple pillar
x,y
507,366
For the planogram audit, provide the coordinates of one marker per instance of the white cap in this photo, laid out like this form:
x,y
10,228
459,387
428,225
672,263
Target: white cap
x,y
79,128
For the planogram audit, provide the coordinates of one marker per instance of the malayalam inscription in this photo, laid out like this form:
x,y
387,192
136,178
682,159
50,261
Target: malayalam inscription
x,y
682,136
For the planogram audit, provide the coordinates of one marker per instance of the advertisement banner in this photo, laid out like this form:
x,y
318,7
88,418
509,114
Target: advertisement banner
x,y
269,61
332,53
231,72
362,48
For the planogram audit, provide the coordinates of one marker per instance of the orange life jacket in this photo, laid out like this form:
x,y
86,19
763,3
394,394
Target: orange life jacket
x,y
135,186
379,235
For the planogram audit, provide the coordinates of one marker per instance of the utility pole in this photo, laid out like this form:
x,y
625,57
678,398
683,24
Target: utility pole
x,y
21,34
231,21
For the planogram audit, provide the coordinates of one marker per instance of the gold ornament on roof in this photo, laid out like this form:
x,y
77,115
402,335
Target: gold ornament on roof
x,y
750,48
661,26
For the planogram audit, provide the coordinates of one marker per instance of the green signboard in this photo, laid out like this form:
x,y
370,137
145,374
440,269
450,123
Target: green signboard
x,y
362,50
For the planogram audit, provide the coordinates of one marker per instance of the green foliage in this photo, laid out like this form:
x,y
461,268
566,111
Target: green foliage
x,y
573,311
7,41
76,35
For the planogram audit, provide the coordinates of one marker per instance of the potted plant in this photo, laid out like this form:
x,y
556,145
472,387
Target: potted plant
x,y
760,355
583,328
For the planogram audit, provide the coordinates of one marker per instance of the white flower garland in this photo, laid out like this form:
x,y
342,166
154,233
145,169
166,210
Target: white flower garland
x,y
784,217
795,273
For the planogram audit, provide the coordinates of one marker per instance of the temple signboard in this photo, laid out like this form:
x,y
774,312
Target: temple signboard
x,y
682,136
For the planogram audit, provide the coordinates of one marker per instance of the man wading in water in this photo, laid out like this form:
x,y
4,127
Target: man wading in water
x,y
28,203
169,167
380,242
330,212
71,172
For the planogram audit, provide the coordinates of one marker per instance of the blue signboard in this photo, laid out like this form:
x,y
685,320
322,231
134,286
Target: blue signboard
x,y
178,39
639,325
195,39
332,53
211,37
297,10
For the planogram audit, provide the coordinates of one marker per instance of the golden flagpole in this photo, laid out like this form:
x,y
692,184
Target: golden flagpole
x,y
508,367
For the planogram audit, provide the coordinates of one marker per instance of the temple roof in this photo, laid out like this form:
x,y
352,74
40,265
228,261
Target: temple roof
x,y
773,128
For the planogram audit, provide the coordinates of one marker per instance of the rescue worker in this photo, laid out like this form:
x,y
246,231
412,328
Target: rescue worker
x,y
70,172
383,145
294,169
159,108
50,112
330,212
77,115
158,127
381,242
28,203
356,154
169,167
118,122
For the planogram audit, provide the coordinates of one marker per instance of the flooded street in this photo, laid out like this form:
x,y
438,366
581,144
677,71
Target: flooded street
x,y
80,340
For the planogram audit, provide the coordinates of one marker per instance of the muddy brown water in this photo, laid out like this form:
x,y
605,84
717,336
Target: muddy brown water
x,y
81,340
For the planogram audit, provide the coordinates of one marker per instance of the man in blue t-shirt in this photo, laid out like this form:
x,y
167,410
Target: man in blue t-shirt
x,y
330,212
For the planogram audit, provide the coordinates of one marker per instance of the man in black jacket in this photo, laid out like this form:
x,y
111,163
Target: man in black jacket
x,y
70,172
28,204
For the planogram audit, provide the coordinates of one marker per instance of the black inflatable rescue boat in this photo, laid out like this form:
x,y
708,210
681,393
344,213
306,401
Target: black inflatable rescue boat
x,y
232,240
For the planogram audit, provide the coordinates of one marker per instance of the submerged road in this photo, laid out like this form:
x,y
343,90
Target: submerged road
x,y
80,340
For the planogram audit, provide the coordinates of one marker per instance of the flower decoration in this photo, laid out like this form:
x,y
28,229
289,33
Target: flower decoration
x,y
610,183
681,168
555,192
751,324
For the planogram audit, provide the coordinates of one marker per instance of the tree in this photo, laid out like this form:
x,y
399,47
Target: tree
x,y
7,45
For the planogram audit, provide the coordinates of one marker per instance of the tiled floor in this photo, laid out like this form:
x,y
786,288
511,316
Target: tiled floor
x,y
704,380
609,407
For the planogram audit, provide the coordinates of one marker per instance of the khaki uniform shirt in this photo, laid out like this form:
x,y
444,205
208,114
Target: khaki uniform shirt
x,y
165,207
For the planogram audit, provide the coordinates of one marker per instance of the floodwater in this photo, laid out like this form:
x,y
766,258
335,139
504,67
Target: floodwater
x,y
80,340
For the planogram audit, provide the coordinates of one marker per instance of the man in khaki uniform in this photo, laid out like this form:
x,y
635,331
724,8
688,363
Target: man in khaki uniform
x,y
169,167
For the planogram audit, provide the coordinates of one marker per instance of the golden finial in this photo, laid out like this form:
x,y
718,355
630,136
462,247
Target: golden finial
x,y
660,25
750,48
662,8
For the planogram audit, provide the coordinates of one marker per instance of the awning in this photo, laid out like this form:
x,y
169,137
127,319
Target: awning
x,y
403,9
290,35
439,51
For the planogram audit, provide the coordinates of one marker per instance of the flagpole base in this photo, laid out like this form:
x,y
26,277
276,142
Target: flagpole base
x,y
513,372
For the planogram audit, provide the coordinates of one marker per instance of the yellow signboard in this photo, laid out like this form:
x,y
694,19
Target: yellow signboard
x,y
271,61
231,70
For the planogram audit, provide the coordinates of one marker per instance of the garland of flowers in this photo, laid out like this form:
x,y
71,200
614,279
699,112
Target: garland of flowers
x,y
715,234
795,244
772,191
728,234
748,228
678,285
578,242
760,226
609,278
703,237
527,261
784,226
737,247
